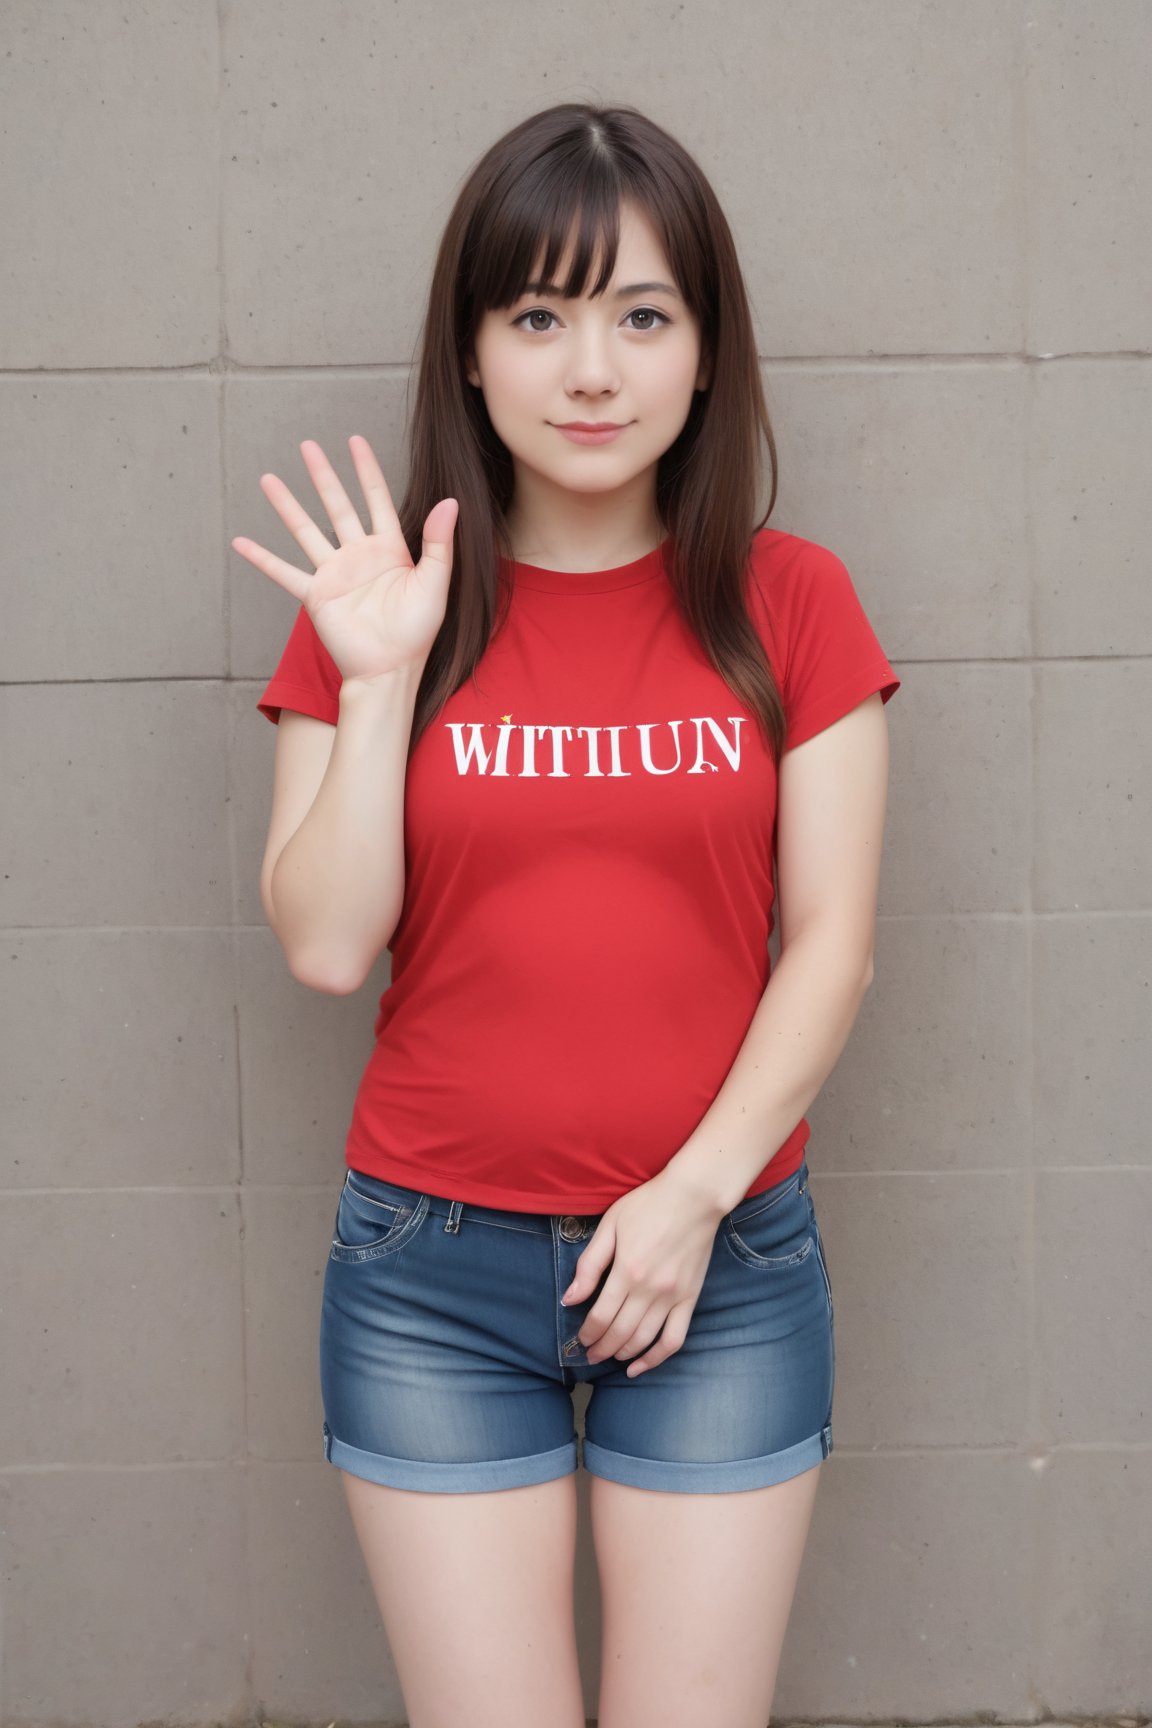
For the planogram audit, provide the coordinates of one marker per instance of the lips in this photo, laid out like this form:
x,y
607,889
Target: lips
x,y
603,434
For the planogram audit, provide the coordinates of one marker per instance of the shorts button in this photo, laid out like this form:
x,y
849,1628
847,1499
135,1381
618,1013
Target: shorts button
x,y
572,1229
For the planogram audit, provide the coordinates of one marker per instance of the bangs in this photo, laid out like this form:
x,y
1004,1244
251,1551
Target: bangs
x,y
558,202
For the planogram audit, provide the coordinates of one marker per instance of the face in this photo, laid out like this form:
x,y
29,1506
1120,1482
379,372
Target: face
x,y
631,356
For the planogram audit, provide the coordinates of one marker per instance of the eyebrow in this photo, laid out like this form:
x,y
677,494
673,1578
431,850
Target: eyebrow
x,y
553,292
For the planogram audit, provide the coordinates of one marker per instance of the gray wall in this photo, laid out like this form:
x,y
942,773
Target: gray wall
x,y
218,225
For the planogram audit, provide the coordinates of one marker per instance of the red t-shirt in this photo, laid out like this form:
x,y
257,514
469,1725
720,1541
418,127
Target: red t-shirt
x,y
578,960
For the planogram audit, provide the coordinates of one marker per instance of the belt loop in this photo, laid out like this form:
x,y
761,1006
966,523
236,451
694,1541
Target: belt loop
x,y
454,1211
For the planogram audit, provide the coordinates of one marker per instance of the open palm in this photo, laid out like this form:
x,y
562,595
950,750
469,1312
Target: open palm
x,y
373,609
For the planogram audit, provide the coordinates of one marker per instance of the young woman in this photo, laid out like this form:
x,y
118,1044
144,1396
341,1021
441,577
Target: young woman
x,y
544,734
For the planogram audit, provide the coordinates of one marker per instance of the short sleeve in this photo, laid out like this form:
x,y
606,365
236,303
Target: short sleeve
x,y
307,679
827,654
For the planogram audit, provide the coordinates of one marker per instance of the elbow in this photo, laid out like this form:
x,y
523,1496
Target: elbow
x,y
335,975
319,974
316,967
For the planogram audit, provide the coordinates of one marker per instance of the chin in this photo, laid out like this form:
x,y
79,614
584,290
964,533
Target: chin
x,y
591,483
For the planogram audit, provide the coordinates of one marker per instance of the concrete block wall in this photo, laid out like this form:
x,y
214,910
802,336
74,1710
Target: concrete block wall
x,y
219,222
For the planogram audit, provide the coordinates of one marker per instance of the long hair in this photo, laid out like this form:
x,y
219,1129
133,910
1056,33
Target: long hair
x,y
565,169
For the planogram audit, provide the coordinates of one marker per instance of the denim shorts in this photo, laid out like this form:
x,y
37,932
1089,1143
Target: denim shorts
x,y
447,1361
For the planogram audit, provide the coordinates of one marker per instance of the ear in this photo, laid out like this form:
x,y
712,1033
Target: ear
x,y
704,376
470,371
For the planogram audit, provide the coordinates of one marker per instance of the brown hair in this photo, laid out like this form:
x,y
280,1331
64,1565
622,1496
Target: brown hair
x,y
569,168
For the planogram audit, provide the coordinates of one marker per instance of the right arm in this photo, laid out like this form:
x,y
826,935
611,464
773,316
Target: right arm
x,y
332,881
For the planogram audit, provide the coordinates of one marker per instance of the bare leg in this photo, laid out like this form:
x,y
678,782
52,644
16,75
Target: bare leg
x,y
476,1595
696,1592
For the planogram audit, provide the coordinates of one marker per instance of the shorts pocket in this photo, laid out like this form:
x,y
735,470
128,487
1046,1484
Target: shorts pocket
x,y
371,1224
773,1229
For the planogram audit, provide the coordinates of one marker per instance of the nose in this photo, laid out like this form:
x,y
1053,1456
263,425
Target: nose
x,y
592,370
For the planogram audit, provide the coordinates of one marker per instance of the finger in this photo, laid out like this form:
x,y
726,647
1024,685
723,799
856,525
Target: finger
x,y
289,577
381,510
624,1309
601,1315
336,501
595,1258
646,1332
674,1333
310,538
620,1327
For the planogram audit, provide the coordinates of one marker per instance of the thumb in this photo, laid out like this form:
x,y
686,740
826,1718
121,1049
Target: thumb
x,y
439,527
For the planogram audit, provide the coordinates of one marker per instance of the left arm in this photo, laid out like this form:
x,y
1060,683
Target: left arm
x,y
831,795
831,801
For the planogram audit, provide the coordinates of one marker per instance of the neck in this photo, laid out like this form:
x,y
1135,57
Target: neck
x,y
561,530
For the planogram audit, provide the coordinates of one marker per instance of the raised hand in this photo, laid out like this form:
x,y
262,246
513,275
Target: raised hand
x,y
373,609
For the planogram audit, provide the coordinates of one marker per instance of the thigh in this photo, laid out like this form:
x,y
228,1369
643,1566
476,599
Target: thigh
x,y
696,1593
475,1592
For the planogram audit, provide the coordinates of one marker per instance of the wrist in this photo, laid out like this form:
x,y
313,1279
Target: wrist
x,y
404,677
707,1180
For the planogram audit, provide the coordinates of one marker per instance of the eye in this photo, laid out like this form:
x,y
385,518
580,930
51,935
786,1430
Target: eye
x,y
649,312
536,312
637,312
